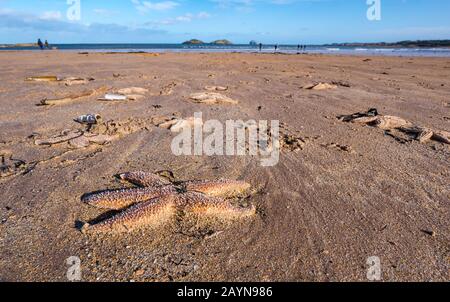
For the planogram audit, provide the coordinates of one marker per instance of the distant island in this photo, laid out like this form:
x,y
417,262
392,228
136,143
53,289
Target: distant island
x,y
222,42
193,42
404,44
198,42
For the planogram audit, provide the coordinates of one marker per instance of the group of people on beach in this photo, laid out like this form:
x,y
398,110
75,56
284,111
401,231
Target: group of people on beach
x,y
43,45
299,47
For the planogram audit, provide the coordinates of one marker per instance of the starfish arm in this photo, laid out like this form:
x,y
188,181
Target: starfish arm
x,y
120,199
220,188
203,205
144,179
153,212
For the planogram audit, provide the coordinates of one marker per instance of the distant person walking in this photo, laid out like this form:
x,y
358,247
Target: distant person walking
x,y
260,47
47,45
40,44
276,47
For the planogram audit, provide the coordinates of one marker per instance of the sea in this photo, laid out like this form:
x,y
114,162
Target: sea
x,y
286,49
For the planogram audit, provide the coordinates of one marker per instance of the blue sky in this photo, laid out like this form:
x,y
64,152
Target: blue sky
x,y
266,21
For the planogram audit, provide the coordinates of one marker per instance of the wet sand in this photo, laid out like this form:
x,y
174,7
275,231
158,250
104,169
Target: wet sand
x,y
348,192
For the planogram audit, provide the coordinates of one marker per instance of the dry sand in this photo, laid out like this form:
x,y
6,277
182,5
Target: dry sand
x,y
341,192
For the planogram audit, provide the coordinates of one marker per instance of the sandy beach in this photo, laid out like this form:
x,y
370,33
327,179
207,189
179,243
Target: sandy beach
x,y
342,191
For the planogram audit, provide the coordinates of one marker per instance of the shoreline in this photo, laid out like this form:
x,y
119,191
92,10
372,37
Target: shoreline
x,y
356,54
442,52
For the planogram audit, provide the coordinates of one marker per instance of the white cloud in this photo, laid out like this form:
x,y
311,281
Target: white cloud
x,y
103,12
51,15
188,17
31,26
203,15
145,6
246,4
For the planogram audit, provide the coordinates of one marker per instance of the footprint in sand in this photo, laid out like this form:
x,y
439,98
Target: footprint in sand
x,y
168,89
339,147
290,142
97,134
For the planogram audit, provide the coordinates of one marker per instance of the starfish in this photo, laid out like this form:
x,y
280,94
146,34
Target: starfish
x,y
156,200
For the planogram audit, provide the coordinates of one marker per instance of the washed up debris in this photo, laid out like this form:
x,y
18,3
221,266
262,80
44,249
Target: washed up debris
x,y
88,119
181,124
216,88
135,97
126,94
388,123
76,81
424,135
373,112
71,98
176,124
319,86
113,97
69,81
158,121
211,98
372,118
168,124
429,233
133,90
42,79
341,84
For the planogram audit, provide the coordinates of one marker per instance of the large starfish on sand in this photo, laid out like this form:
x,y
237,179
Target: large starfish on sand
x,y
156,200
